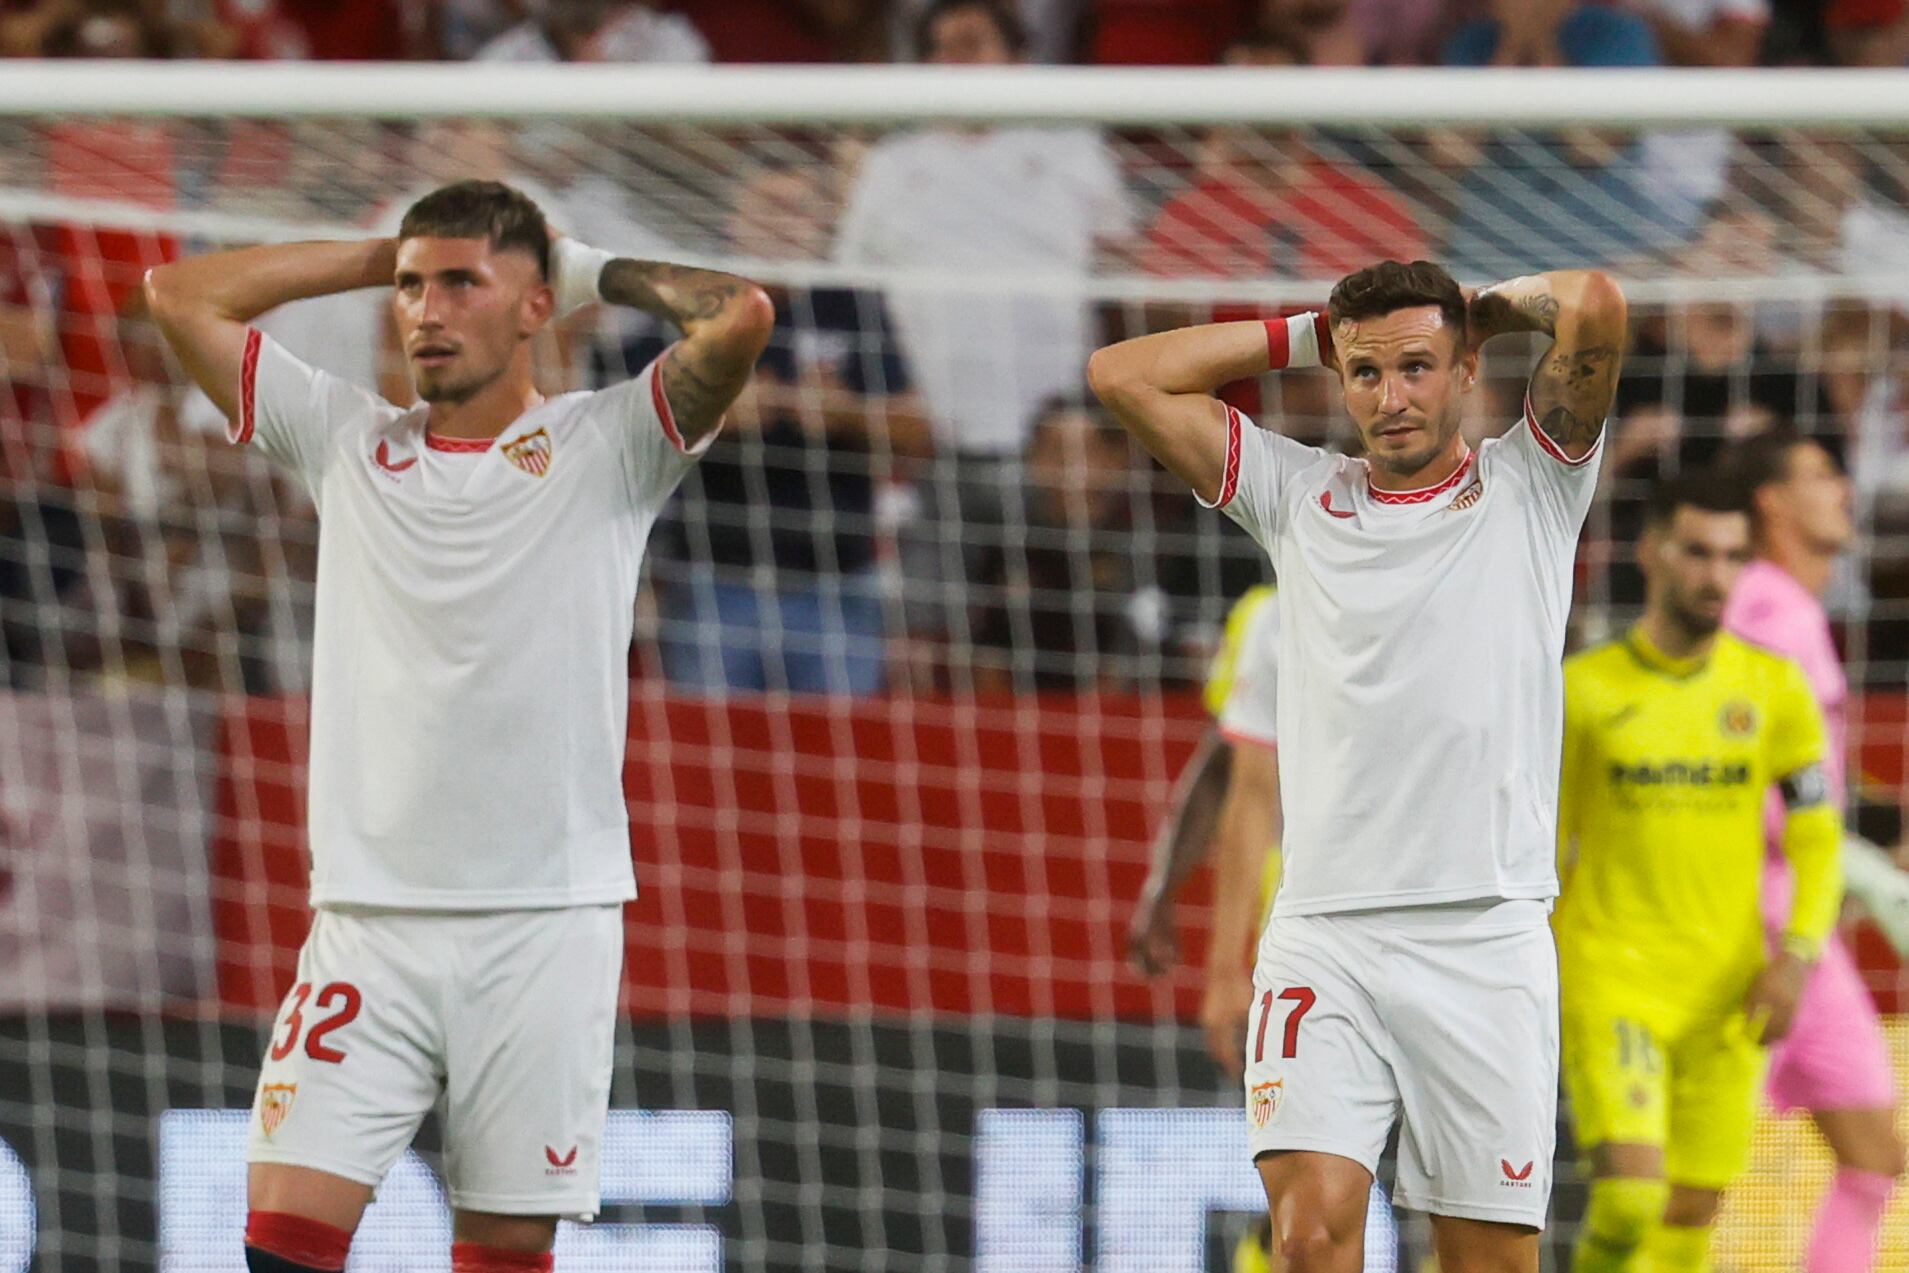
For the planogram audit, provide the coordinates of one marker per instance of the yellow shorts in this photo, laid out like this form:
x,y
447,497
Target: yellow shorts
x,y
1694,1095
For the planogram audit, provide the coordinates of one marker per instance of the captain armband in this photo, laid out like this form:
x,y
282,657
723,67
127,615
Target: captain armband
x,y
1807,788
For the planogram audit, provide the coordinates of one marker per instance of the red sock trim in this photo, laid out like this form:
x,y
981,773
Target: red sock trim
x,y
299,1239
474,1257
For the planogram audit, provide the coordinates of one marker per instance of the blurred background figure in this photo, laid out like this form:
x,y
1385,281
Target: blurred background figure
x,y
772,580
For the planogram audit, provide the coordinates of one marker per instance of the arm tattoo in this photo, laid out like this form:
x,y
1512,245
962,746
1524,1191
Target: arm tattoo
x,y
676,292
709,366
1494,312
698,388
1571,393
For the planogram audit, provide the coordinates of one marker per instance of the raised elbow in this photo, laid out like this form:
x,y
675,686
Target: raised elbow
x,y
1602,300
751,320
1108,375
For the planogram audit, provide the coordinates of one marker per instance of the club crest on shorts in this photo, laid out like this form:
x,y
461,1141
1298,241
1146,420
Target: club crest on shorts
x,y
275,1102
1263,1103
531,453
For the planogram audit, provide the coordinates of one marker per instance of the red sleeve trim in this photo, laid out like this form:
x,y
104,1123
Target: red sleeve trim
x,y
1234,734
248,387
1230,474
661,401
1551,448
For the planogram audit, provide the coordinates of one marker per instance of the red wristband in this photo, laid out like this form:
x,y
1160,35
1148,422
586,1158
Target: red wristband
x,y
1302,340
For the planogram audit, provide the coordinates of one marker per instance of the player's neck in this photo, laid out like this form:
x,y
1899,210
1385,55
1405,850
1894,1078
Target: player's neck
x,y
488,412
1669,638
1800,561
1435,470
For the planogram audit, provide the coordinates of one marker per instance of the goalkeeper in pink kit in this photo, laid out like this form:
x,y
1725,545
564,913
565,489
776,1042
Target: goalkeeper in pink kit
x,y
1834,1062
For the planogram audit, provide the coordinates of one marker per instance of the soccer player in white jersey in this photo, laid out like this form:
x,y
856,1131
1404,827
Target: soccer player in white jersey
x,y
1407,974
477,574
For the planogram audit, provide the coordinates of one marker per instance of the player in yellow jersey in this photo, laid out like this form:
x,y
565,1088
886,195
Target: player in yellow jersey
x,y
1673,736
1228,796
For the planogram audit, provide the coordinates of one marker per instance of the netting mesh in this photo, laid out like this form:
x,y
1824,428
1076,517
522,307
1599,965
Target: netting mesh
x,y
916,650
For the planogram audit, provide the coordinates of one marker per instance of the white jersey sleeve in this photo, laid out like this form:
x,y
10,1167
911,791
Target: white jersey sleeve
x,y
655,454
292,411
1561,486
1260,465
1248,715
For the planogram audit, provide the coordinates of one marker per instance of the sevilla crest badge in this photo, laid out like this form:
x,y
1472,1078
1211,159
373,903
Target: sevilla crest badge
x,y
531,453
275,1102
1264,1101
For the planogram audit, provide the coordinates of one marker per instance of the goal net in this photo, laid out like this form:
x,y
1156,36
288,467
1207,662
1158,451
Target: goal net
x,y
920,641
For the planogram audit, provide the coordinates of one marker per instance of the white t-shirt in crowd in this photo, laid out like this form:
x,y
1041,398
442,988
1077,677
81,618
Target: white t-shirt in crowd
x,y
1024,202
1251,711
1421,699
640,34
1701,15
475,606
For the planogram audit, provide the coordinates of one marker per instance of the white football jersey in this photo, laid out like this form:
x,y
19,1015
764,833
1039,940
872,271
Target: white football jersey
x,y
1250,714
1421,699
470,687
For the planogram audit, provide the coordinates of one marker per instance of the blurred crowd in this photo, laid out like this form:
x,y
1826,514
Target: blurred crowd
x,y
1092,32
915,491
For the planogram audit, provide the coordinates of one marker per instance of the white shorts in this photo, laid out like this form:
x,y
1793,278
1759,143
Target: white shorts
x,y
1443,1019
510,1014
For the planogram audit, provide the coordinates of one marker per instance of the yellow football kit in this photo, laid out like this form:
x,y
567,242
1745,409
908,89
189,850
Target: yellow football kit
x,y
1667,764
1220,680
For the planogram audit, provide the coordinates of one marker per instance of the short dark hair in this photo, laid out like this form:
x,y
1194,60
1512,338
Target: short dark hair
x,y
1389,286
1709,492
481,210
1006,20
1762,459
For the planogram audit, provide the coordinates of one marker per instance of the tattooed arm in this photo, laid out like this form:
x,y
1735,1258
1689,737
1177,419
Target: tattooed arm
x,y
726,322
1583,312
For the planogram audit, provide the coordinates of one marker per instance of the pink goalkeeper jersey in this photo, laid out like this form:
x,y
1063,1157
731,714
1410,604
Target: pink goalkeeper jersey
x,y
1772,609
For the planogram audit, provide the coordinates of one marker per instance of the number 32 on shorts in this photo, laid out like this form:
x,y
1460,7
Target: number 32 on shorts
x,y
348,1001
1302,998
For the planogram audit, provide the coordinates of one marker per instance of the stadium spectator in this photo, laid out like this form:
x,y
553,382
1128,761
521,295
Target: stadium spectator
x,y
1051,30
1552,33
1331,33
1165,32
187,600
1707,32
1697,378
758,31
1055,600
768,565
596,31
1269,202
988,204
1591,192
1868,32
1402,32
44,555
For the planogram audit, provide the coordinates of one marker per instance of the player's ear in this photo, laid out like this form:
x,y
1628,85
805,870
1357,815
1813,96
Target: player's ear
x,y
1468,371
539,304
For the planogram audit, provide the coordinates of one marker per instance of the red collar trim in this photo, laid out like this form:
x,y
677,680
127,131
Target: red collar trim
x,y
458,446
1423,493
